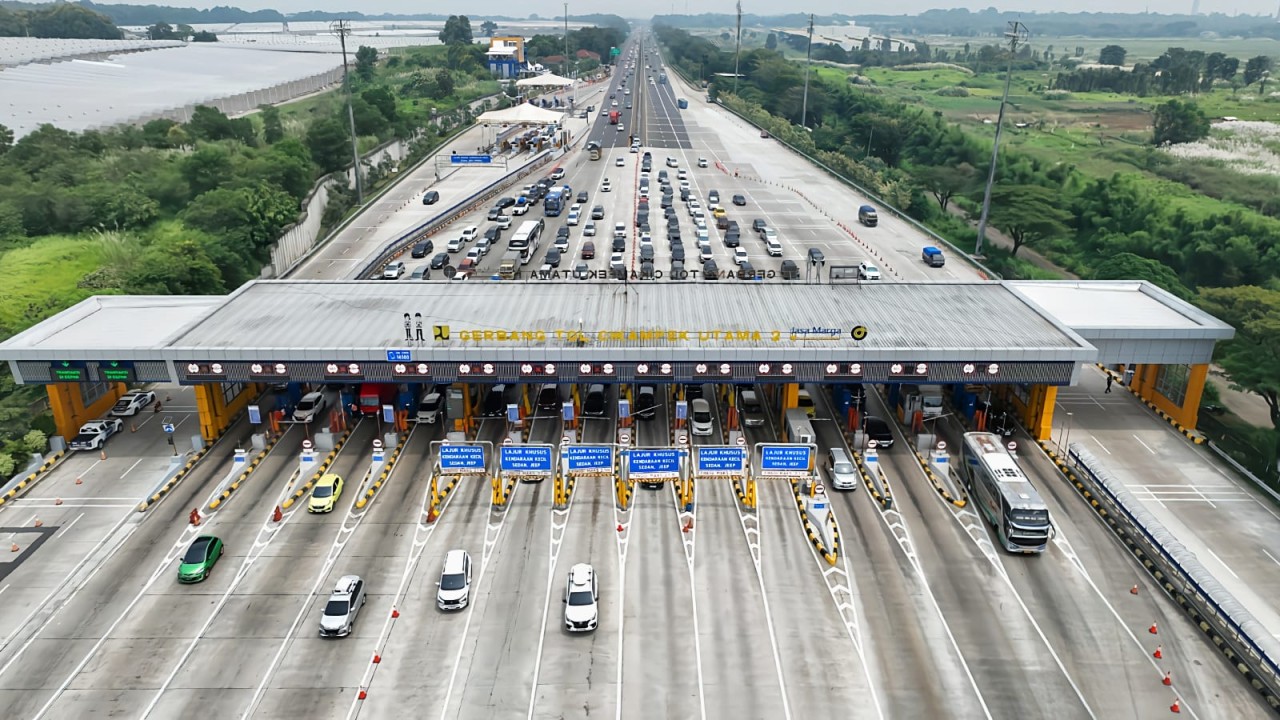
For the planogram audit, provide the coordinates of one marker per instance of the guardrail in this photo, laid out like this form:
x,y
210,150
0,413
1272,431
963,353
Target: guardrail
x,y
1231,627
473,202
23,482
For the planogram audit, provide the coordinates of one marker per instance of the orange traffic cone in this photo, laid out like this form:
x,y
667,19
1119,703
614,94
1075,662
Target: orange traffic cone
x,y
1133,590
13,547
1159,653
277,514
1167,681
102,455
363,694
395,613
377,658
1153,629
688,525
79,481
57,501
1176,707
431,515
619,527
39,522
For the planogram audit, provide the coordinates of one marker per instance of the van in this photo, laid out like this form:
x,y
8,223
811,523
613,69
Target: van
x,y
843,474
595,403
867,216
932,257
700,410
429,408
750,409
454,588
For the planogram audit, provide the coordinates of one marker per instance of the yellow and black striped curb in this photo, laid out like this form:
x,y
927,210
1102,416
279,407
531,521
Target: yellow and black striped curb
x,y
1189,433
831,556
885,500
937,483
623,487
1169,588
740,491
319,473
568,486
387,467
507,488
250,467
31,478
173,481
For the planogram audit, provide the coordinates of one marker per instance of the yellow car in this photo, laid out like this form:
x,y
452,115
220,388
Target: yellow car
x,y
325,495
718,212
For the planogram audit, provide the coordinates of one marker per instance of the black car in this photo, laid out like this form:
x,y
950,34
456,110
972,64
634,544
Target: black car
x,y
493,233
642,216
505,203
646,268
646,402
619,245
597,212
440,260
878,430
677,270
740,200
684,194
421,248
562,232
431,198
646,253
553,257
549,402
677,252
758,225
746,271
692,391
731,240
666,200
816,257
582,196
789,271
494,212
710,271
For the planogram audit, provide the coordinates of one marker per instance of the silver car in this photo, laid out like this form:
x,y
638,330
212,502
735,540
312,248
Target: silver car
x,y
344,605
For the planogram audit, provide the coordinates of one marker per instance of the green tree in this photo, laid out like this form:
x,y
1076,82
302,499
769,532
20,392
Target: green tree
x,y
180,268
488,28
382,99
1177,121
272,128
35,441
366,62
72,21
330,143
209,123
1252,358
206,168
1256,70
11,227
771,42
1112,55
1028,213
1127,266
252,214
156,132
946,181
6,139
8,466
162,31
368,120
456,31
204,36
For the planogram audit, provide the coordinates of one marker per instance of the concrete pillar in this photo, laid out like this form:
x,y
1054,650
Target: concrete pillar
x,y
66,400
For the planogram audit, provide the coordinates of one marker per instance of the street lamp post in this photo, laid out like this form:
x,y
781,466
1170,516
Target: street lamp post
x,y
808,55
1067,440
1016,33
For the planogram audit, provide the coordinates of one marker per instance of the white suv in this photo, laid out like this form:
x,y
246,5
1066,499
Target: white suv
x,y
309,406
344,604
581,599
867,271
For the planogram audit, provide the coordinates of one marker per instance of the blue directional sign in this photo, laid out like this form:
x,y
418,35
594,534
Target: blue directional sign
x,y
714,459
470,159
785,459
525,458
589,457
462,458
399,356
653,462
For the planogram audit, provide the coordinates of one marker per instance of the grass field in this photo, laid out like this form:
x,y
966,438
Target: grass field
x,y
1144,49
42,278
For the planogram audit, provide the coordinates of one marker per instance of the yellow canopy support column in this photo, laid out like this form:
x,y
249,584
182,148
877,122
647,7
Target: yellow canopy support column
x,y
1189,413
1040,414
790,399
66,400
623,496
558,494
210,409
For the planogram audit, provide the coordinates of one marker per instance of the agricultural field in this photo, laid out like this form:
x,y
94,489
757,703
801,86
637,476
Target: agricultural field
x,y
1140,49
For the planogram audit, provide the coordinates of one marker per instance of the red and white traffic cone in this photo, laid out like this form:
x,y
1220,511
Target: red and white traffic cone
x,y
1133,590
1168,680
1159,653
1153,629
1176,707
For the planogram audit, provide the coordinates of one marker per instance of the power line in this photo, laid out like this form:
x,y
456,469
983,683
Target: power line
x,y
342,29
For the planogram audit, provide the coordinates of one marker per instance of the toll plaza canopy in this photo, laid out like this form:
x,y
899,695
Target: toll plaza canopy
x,y
522,114
573,331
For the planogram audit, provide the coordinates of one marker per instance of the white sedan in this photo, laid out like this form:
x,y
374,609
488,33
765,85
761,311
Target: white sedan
x,y
620,162
133,403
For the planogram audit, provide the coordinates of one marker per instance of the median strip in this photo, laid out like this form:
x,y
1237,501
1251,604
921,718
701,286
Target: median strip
x,y
324,465
252,465
387,467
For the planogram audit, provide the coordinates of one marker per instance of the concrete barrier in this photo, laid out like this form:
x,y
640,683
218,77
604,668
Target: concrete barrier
x,y
319,473
20,485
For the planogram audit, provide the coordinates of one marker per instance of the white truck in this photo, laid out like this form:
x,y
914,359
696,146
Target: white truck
x,y
93,435
799,429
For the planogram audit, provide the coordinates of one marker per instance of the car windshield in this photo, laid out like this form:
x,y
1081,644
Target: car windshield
x,y
323,491
702,417
581,597
453,581
336,608
306,404
196,553
843,468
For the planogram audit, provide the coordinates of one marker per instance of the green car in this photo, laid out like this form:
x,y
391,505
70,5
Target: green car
x,y
201,556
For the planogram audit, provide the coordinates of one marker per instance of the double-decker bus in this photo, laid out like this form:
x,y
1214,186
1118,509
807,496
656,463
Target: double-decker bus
x,y
526,239
1004,495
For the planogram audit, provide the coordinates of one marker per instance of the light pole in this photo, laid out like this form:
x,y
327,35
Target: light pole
x,y
342,30
1067,439
808,55
737,49
566,39
1016,33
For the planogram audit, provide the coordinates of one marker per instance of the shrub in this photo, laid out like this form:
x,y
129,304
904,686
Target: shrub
x,y
1056,95
952,91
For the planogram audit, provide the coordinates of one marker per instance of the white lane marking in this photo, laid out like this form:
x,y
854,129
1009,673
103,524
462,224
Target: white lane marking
x,y
1099,444
6,587
893,521
555,541
131,467
492,533
1148,447
1223,564
757,557
624,542
688,541
1273,558
65,504
67,527
1203,497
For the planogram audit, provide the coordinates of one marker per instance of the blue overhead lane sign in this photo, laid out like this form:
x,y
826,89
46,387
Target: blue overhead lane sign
x,y
462,458
525,458
653,462
786,459
589,457
470,159
716,459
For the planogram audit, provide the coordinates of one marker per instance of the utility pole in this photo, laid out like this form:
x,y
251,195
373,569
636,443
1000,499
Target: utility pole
x,y
566,39
808,55
342,29
1016,33
737,49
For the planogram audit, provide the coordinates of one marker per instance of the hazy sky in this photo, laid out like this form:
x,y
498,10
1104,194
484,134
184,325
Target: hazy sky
x,y
628,8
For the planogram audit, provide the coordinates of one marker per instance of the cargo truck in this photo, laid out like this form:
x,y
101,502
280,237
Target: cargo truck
x,y
614,116
374,395
510,261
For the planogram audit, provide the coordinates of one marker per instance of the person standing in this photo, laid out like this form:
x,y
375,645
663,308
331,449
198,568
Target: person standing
x,y
1110,379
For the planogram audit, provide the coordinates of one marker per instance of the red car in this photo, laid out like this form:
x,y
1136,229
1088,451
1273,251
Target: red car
x,y
588,251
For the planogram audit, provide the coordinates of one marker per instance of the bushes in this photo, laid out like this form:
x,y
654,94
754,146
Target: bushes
x,y
952,91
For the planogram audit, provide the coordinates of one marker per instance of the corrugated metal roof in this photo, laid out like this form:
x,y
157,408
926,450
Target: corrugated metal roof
x,y
294,315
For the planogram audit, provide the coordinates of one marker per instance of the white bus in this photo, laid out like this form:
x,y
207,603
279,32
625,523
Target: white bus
x,y
1004,495
526,239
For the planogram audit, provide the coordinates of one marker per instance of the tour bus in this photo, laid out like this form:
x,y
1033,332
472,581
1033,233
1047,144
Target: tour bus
x,y
1004,495
593,150
526,239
